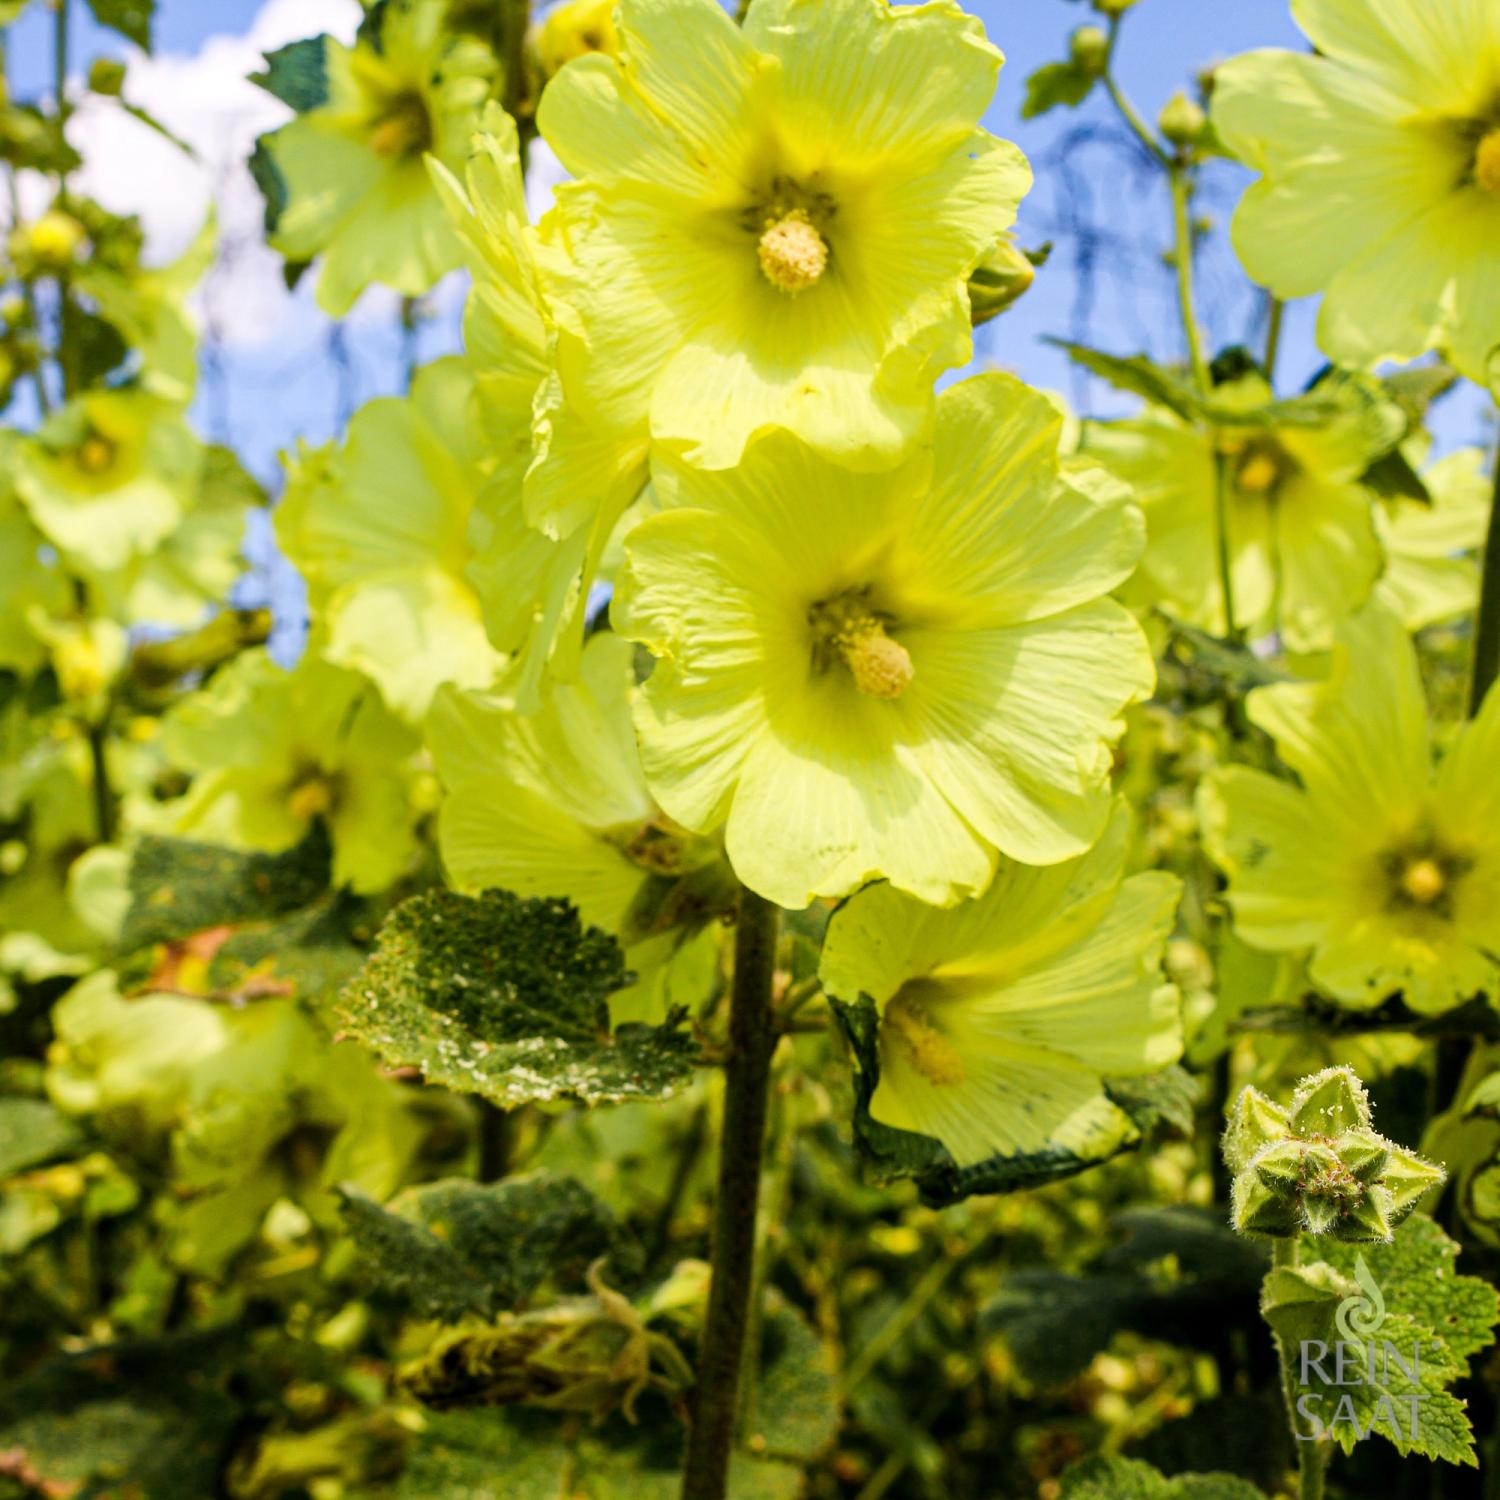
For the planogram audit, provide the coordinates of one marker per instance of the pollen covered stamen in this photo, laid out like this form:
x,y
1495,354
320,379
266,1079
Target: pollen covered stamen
x,y
1423,881
404,130
1487,162
1259,474
95,454
311,798
932,1054
793,255
846,627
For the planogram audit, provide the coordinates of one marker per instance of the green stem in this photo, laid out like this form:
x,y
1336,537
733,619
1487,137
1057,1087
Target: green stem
x,y
1486,664
894,1329
1312,1456
104,797
1128,111
1273,337
752,1039
1222,545
1182,255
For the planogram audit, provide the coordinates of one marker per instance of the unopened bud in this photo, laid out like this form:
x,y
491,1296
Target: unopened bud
x,y
106,76
1089,49
1181,121
1112,7
1004,275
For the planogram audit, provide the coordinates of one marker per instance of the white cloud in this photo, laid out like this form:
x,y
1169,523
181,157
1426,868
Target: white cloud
x,y
206,98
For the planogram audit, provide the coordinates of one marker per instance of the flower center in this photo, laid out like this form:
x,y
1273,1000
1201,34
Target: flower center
x,y
95,454
311,797
405,128
793,255
931,1053
1422,876
1487,161
1259,467
1423,881
847,628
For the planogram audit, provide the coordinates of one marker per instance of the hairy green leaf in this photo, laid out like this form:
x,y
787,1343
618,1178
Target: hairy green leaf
x,y
131,18
1410,1326
1128,1479
455,1249
297,73
508,998
1054,84
33,1131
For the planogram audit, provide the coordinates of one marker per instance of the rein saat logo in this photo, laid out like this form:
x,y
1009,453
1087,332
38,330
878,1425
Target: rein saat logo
x,y
1358,1360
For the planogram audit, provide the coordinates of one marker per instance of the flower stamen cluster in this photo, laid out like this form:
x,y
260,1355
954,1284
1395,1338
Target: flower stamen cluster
x,y
1487,161
846,628
793,255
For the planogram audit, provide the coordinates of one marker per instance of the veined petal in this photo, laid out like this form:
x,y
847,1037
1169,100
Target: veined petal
x,y
1015,723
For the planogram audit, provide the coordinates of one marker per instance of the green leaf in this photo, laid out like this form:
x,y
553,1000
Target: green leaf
x,y
1137,374
152,1413
297,74
179,887
1164,1100
888,1154
1406,1326
101,349
29,138
537,1455
131,18
1054,84
1054,1323
267,177
1128,1479
152,123
33,1131
507,998
455,1249
1392,477
797,1407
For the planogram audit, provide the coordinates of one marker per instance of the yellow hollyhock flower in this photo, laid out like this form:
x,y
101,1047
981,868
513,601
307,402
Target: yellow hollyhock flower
x,y
554,803
574,29
1431,572
356,188
276,751
1380,174
562,473
771,225
380,529
1386,869
1001,1018
108,476
893,674
1302,541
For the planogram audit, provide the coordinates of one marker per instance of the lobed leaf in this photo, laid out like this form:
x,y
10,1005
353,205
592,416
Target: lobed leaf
x,y
508,999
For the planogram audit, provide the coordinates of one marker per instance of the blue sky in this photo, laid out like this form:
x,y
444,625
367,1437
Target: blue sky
x,y
1096,199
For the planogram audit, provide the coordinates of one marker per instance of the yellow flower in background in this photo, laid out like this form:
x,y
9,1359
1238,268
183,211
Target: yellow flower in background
x,y
562,469
771,225
1431,572
890,675
1302,540
1380,174
380,529
573,29
1387,870
1001,1018
355,186
30,586
108,476
554,803
276,751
